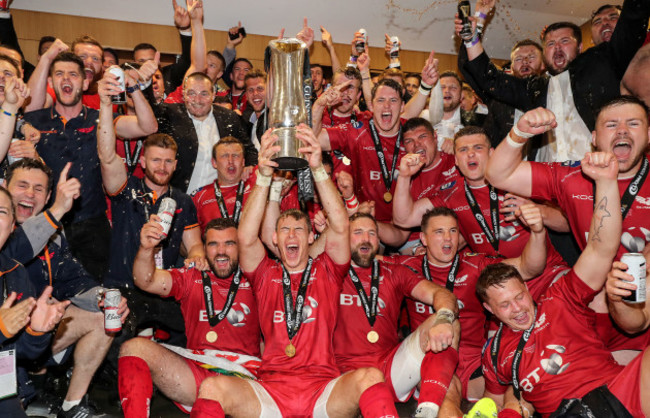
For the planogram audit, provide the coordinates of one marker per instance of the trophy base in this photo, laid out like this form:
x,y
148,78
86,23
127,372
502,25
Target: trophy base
x,y
288,158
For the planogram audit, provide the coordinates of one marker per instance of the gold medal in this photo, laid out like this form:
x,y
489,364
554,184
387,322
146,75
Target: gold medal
x,y
388,196
290,350
372,336
211,336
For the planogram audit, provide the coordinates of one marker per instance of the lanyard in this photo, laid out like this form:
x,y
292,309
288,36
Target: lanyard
x,y
132,159
369,308
293,313
353,117
48,261
222,204
388,177
632,189
209,302
492,237
516,361
150,199
451,277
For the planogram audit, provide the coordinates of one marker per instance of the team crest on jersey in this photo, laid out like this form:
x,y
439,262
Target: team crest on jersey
x,y
308,309
461,279
554,364
357,124
449,172
571,163
540,322
645,201
448,185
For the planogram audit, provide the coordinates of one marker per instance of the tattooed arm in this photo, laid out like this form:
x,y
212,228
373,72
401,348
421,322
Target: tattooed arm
x,y
605,230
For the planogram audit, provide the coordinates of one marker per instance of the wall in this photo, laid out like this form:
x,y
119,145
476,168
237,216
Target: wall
x,y
31,26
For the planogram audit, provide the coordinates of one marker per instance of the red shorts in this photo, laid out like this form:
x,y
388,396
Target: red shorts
x,y
467,365
626,386
200,374
295,395
616,340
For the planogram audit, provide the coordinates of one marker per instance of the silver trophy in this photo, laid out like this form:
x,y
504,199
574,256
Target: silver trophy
x,y
286,99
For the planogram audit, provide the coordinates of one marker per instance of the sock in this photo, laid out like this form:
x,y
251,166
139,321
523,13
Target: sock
x,y
135,386
436,372
377,401
509,413
206,408
68,405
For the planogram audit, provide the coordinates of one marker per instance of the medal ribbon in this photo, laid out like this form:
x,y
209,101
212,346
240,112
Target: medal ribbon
x,y
451,277
388,177
222,204
516,361
209,300
293,313
492,237
369,308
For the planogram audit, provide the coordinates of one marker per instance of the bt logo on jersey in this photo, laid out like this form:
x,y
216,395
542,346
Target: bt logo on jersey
x,y
307,311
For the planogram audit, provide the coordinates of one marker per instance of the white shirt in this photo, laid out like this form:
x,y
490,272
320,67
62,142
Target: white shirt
x,y
571,139
207,133
447,128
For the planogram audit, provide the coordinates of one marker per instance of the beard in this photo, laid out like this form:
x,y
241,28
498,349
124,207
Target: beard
x,y
226,272
73,101
152,178
364,261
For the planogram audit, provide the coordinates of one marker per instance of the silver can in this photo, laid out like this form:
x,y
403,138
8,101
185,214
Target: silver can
x,y
361,46
11,159
636,267
394,49
112,320
166,214
119,98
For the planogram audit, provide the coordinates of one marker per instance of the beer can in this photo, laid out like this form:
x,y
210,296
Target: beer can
x,y
361,46
11,159
637,269
119,98
112,320
464,12
4,5
166,214
394,49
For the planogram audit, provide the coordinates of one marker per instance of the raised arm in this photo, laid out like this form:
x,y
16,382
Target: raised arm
x,y
145,274
605,230
326,38
114,174
144,122
251,249
506,169
532,260
406,212
15,94
38,81
330,98
198,49
430,78
337,244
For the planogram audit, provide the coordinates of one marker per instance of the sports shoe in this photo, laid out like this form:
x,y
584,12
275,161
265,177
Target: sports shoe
x,y
83,410
484,408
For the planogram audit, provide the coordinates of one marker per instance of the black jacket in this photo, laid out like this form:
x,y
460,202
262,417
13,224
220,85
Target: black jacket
x,y
173,73
174,120
595,74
